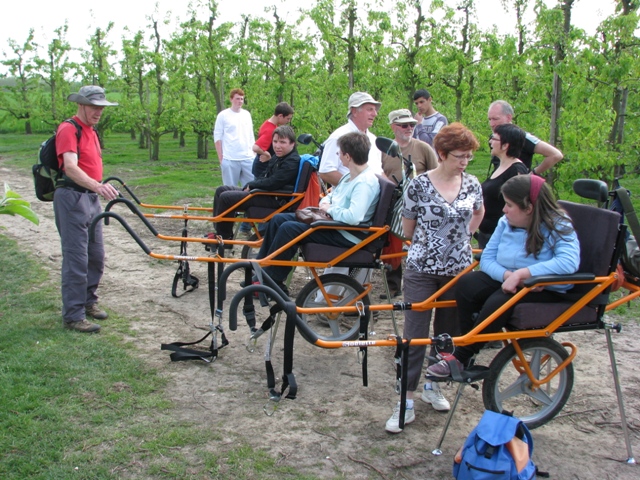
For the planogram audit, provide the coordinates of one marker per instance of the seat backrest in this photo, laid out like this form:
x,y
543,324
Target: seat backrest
x,y
384,203
597,230
308,163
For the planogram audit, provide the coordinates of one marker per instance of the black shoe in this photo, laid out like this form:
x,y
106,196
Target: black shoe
x,y
495,345
394,293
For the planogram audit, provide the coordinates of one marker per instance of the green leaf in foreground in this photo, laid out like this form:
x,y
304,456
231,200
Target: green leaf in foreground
x,y
12,204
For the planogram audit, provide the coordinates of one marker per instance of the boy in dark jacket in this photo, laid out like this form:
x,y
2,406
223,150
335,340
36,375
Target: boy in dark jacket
x,y
280,175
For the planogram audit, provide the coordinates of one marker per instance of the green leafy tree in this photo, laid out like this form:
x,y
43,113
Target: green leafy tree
x,y
53,71
20,99
97,68
133,88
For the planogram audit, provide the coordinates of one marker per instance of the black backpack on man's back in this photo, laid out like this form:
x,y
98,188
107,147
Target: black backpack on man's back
x,y
47,172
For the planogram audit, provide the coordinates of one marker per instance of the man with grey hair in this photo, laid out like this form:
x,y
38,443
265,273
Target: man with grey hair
x,y
423,158
75,204
501,112
363,110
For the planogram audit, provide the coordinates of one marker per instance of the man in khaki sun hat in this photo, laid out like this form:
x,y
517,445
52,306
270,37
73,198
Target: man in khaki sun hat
x,y
75,203
421,154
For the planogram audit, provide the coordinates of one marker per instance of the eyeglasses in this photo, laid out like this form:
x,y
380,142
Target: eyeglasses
x,y
460,158
405,125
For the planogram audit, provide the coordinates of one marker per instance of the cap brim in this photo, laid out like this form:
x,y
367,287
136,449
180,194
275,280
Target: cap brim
x,y
377,104
74,97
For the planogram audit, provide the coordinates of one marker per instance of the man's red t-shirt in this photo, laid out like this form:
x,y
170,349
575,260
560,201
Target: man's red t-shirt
x,y
90,158
265,135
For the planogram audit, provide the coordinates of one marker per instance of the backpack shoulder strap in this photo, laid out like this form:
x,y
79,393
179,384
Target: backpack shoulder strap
x,y
78,128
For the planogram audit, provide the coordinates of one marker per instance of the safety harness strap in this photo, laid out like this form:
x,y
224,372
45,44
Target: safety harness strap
x,y
180,354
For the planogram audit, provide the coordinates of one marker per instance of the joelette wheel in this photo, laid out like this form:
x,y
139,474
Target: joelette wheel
x,y
342,290
509,388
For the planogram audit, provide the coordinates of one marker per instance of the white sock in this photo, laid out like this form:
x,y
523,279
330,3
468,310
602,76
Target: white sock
x,y
428,386
409,403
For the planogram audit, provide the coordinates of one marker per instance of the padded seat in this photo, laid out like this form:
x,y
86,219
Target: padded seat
x,y
598,233
317,252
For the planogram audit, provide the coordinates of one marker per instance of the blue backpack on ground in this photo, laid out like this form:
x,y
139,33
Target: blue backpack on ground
x,y
499,448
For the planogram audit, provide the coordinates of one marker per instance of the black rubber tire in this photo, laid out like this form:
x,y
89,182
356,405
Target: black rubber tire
x,y
339,327
249,252
508,389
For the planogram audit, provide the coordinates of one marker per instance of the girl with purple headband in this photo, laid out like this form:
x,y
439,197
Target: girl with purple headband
x,y
534,237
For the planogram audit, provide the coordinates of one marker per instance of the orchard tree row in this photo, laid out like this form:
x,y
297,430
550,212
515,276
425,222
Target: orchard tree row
x,y
575,90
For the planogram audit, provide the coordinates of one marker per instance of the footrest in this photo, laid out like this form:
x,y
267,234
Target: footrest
x,y
471,374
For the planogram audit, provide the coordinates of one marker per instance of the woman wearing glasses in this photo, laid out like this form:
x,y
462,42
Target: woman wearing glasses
x,y
442,207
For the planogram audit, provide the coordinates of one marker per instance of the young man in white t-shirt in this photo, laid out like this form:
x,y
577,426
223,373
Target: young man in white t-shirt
x,y
234,139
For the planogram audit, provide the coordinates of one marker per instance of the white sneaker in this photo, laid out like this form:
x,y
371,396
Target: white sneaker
x,y
393,424
434,396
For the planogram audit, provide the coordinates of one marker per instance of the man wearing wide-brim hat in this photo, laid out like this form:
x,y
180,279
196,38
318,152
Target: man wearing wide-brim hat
x,y
363,110
75,203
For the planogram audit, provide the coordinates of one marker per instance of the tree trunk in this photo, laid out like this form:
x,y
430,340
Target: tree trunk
x,y
155,147
201,145
351,47
142,143
27,127
616,135
556,95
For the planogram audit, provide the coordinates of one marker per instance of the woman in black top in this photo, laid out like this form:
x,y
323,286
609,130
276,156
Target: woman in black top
x,y
506,144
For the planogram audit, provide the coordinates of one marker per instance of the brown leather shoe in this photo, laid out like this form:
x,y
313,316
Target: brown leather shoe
x,y
82,326
96,312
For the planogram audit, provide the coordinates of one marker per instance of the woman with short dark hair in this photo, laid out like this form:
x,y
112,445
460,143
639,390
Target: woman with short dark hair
x,y
352,201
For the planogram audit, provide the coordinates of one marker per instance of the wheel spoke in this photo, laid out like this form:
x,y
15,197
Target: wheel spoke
x,y
516,388
334,325
541,396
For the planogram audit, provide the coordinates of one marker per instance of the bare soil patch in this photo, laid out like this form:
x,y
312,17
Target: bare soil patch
x,y
335,428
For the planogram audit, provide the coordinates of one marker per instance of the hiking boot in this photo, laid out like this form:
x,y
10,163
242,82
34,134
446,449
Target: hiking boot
x,y
82,326
95,311
393,424
434,396
441,369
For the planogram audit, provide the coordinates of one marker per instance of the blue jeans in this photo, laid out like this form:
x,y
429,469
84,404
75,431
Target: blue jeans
x,y
283,228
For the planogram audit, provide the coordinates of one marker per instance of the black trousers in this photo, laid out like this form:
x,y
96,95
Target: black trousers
x,y
478,293
227,196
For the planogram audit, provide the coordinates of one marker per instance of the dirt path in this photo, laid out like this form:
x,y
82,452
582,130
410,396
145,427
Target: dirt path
x,y
335,428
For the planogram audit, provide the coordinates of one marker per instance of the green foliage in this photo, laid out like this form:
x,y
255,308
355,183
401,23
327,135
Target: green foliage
x,y
12,204
178,84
